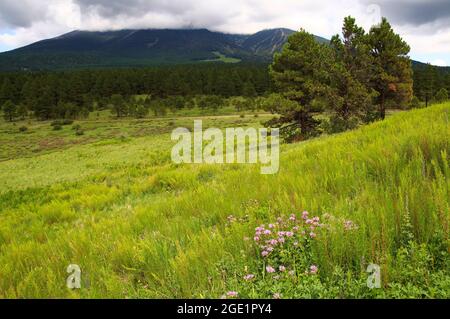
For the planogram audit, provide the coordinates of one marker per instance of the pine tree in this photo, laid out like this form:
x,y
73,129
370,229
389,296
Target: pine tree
x,y
392,74
118,105
9,111
351,100
441,95
301,74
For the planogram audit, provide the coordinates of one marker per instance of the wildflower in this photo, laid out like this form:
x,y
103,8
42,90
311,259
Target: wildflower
x,y
282,268
281,233
349,225
312,235
276,295
309,221
232,294
271,226
289,234
292,218
316,219
305,215
296,228
270,269
267,232
313,270
269,249
291,273
249,277
256,238
296,243
265,253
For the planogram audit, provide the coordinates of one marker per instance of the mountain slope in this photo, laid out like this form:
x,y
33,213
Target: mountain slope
x,y
142,47
135,48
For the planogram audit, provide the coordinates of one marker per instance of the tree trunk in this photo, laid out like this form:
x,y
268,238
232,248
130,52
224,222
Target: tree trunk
x,y
382,108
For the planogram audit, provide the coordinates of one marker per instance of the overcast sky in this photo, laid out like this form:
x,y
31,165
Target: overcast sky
x,y
424,24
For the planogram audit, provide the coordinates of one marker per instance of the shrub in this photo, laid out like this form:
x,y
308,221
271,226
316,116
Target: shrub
x,y
23,129
67,122
57,127
76,127
79,132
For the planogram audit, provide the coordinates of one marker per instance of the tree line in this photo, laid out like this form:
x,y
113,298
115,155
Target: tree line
x,y
71,94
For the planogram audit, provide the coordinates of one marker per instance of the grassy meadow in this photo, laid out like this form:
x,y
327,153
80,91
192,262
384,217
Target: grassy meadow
x,y
140,226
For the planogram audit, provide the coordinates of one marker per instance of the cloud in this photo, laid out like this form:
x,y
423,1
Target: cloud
x,y
13,13
439,62
424,24
414,12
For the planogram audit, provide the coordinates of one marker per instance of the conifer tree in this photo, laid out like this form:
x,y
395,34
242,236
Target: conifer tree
x,y
392,73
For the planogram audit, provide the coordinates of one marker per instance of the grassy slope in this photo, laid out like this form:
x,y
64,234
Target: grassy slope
x,y
142,228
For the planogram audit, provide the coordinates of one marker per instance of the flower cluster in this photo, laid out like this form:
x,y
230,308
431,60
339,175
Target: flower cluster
x,y
289,231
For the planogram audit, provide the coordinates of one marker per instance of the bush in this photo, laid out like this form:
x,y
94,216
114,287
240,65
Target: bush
x,y
67,122
23,129
57,127
79,132
76,127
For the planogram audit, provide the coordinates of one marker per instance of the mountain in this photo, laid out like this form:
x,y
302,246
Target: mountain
x,y
83,49
135,48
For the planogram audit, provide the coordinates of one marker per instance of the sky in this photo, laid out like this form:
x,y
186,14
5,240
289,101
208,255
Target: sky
x,y
424,24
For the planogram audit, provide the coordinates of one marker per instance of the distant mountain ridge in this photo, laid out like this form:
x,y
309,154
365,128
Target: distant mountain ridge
x,y
125,48
147,47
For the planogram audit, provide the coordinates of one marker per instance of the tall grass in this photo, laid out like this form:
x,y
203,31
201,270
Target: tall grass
x,y
159,230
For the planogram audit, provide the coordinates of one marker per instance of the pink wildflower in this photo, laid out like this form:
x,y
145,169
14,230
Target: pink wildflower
x,y
289,234
256,238
312,235
282,268
265,253
277,296
305,215
313,270
249,277
270,269
232,294
273,242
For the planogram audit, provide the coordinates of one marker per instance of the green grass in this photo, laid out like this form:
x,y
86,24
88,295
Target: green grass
x,y
220,57
140,226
